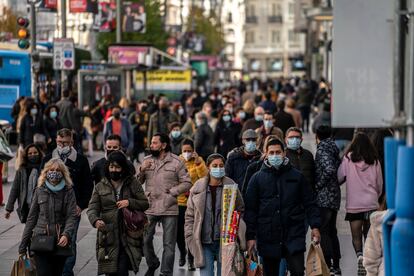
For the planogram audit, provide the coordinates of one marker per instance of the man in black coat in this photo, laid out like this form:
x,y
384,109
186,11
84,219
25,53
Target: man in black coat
x,y
240,158
283,120
300,158
80,173
277,201
112,143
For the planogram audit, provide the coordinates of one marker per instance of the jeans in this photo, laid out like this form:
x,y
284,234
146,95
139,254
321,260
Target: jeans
x,y
282,267
49,264
180,235
71,261
211,253
329,237
295,264
169,237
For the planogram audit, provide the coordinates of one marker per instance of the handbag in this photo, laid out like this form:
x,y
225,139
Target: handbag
x,y
253,266
43,243
66,251
6,153
135,222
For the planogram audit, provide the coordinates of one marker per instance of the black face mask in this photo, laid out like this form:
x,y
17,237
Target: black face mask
x,y
34,159
115,176
164,109
117,115
108,152
155,153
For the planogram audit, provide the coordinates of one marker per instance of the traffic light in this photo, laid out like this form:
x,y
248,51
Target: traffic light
x,y
23,33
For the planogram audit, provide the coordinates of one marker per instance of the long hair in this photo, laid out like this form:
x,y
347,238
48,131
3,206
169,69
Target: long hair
x,y
121,159
55,164
26,151
362,149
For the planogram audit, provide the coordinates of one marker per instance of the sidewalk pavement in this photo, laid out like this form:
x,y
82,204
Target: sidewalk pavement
x,y
86,265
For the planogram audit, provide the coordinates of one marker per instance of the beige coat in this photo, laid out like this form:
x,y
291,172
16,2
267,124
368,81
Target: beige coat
x,y
164,181
373,256
195,214
297,117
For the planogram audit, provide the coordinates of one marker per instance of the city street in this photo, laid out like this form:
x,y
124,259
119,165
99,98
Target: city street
x,y
86,265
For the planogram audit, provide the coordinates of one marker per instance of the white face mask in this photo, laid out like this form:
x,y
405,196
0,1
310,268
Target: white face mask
x,y
187,155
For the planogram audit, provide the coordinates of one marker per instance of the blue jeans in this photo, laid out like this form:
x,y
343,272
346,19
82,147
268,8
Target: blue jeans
x,y
282,267
71,261
211,253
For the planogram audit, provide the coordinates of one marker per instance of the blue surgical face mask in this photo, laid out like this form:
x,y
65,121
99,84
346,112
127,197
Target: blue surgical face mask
x,y
217,172
268,123
226,118
258,118
275,160
293,143
53,114
250,146
175,134
242,115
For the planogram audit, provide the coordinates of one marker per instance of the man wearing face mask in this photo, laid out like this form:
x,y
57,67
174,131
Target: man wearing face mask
x,y
300,158
165,177
277,201
160,120
113,143
121,127
256,122
267,129
80,174
240,158
176,137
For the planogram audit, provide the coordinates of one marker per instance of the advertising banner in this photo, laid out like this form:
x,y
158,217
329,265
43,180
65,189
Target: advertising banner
x,y
105,20
48,6
80,6
97,85
125,54
133,17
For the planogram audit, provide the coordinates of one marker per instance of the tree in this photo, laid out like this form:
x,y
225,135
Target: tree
x,y
8,22
155,33
209,27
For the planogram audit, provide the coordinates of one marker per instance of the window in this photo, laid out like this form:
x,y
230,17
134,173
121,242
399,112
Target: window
x,y
255,65
275,36
252,11
293,36
250,37
276,9
230,18
291,9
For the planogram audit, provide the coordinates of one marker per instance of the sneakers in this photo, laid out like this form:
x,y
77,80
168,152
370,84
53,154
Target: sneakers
x,y
361,268
151,270
335,271
191,266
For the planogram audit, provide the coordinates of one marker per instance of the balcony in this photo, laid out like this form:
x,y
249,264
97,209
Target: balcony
x,y
251,19
275,19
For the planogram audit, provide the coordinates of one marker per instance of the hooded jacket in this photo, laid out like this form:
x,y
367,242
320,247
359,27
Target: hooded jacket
x,y
373,256
327,161
237,163
363,184
277,202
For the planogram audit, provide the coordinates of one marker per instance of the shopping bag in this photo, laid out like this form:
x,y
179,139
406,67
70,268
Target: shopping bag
x,y
253,267
315,262
6,153
23,266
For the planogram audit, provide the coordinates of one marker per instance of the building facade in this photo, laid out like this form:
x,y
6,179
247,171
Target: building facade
x,y
272,47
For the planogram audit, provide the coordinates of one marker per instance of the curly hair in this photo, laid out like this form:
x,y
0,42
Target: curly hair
x,y
55,164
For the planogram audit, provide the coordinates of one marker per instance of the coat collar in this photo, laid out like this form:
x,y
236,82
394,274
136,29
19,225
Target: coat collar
x,y
72,156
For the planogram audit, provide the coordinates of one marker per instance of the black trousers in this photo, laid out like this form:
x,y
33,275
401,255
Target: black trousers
x,y
329,237
180,234
295,263
49,264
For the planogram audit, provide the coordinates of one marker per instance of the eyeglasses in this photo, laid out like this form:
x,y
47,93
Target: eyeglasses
x,y
250,139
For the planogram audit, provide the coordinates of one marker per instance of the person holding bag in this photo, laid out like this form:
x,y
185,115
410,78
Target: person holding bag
x,y
117,200
51,219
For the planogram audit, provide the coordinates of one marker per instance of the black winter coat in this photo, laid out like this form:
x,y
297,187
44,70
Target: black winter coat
x,y
328,192
251,170
227,137
80,174
284,121
30,127
303,161
237,163
204,141
277,202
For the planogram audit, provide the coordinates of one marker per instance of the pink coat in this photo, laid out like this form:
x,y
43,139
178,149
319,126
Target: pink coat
x,y
363,185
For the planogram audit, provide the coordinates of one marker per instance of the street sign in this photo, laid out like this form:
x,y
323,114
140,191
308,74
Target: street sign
x,y
63,54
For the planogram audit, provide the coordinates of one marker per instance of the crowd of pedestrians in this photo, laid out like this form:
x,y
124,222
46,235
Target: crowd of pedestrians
x,y
168,162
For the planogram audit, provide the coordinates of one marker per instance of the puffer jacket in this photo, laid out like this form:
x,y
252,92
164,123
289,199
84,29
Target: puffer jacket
x,y
328,192
50,208
237,163
277,202
194,217
164,181
303,161
373,249
103,207
196,172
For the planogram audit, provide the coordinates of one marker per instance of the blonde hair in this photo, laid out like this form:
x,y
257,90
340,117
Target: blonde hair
x,y
249,106
290,103
124,103
55,164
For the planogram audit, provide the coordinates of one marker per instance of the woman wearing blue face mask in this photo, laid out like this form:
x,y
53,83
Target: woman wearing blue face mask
x,y
203,217
31,125
52,125
227,134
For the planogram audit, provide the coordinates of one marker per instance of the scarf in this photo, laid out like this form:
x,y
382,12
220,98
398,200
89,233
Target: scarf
x,y
31,184
56,188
